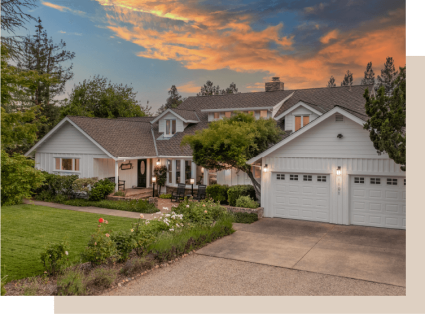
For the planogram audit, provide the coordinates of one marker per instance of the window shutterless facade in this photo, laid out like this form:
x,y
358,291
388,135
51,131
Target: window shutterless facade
x,y
170,127
301,121
67,164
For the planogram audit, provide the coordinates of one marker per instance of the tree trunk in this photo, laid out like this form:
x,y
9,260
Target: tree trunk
x,y
256,184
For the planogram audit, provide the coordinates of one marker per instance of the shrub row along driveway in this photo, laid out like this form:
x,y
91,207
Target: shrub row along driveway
x,y
286,257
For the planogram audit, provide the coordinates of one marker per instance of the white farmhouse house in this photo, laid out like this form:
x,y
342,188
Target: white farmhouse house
x,y
325,167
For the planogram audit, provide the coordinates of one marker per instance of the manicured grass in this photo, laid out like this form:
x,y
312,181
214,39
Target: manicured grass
x,y
139,206
26,229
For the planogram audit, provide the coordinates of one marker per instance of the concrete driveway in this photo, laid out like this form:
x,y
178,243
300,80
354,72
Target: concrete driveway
x,y
366,253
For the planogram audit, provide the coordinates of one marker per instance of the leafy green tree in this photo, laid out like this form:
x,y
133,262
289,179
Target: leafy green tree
x,y
99,98
348,79
331,82
231,142
388,76
232,89
369,75
387,119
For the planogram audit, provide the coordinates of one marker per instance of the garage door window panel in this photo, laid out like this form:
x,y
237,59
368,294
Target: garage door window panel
x,y
321,178
280,176
293,177
307,178
391,181
359,180
375,180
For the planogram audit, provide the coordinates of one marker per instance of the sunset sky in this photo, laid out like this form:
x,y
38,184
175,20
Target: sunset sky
x,y
155,44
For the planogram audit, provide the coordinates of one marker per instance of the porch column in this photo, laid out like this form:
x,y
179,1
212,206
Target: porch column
x,y
116,175
193,174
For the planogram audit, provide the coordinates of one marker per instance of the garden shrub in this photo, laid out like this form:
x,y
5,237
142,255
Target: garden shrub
x,y
140,206
84,184
101,278
100,248
244,218
119,193
143,237
45,195
217,192
71,283
201,213
165,196
136,265
54,257
246,202
55,185
237,191
124,242
59,199
18,178
101,189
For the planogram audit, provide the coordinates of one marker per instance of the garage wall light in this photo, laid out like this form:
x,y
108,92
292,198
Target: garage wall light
x,y
338,171
266,168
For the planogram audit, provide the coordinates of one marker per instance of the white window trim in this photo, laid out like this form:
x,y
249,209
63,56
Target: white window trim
x,y
60,164
171,127
302,120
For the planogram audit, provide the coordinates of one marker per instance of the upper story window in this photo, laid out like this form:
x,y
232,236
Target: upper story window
x,y
301,121
68,164
227,114
263,113
170,127
216,115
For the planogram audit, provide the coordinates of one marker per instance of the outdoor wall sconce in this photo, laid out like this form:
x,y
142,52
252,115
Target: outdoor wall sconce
x,y
202,169
158,162
192,181
339,136
266,168
338,171
153,182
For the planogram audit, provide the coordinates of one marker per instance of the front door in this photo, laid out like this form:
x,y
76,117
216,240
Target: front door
x,y
141,173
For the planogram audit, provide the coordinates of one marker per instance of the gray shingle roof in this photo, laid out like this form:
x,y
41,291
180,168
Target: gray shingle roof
x,y
120,137
132,137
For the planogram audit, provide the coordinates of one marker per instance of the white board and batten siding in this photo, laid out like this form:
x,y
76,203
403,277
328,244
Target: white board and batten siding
x,y
318,151
105,167
68,142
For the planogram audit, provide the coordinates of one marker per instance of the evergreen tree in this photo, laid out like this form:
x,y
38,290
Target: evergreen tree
x,y
232,89
387,119
331,82
348,79
369,75
173,101
388,76
209,89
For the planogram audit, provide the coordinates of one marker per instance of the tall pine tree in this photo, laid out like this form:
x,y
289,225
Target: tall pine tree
x,y
387,119
388,76
348,79
173,101
369,75
331,82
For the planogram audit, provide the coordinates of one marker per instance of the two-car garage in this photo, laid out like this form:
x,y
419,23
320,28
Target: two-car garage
x,y
378,201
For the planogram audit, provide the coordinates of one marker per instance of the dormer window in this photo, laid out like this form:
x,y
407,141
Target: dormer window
x,y
216,115
263,113
170,127
227,114
301,121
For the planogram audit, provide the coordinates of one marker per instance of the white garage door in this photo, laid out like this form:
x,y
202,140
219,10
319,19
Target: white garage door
x,y
301,196
378,201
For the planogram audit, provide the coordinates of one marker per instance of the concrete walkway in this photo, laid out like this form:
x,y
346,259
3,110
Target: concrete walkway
x,y
162,204
366,253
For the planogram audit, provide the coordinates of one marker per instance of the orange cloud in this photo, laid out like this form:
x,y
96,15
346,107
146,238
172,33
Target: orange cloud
x,y
331,35
201,39
54,6
189,87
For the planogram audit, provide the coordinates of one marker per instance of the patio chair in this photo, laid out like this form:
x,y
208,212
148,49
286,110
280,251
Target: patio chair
x,y
179,195
121,183
202,192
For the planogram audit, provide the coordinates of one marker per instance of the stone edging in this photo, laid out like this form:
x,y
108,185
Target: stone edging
x,y
259,210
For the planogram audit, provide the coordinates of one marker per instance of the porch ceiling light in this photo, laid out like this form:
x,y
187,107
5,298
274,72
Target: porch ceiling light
x,y
338,171
266,168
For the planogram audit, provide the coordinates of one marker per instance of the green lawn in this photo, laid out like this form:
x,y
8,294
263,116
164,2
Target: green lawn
x,y
25,229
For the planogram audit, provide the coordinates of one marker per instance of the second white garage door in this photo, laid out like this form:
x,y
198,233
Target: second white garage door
x,y
301,196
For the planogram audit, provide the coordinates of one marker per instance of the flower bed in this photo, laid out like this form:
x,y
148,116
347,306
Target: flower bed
x,y
259,211
114,258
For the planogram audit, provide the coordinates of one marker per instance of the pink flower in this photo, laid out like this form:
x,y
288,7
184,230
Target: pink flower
x,y
107,235
203,205
95,243
106,222
101,220
205,212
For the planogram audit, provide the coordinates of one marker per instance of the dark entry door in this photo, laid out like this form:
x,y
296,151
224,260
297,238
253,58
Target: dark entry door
x,y
141,173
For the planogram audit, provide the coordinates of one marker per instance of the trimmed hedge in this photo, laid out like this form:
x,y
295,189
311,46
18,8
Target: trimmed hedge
x,y
237,191
218,192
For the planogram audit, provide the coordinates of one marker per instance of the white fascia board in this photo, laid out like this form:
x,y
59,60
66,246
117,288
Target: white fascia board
x,y
174,113
298,104
52,131
305,129
279,104
136,157
237,109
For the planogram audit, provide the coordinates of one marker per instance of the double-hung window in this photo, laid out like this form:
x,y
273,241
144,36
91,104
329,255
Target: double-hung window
x,y
263,113
170,127
188,170
67,164
301,121
216,115
178,171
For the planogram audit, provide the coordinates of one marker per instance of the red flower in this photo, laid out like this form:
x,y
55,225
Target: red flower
x,y
100,220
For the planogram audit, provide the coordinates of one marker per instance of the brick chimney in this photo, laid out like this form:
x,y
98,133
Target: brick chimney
x,y
274,85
